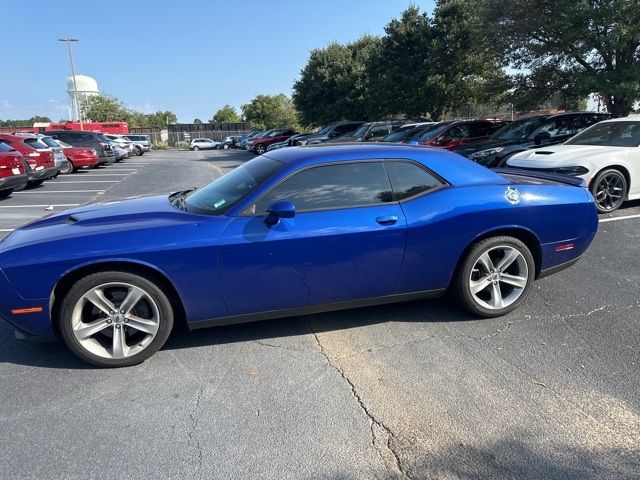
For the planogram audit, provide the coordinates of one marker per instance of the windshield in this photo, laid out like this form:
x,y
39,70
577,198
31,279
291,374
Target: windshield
x,y
360,132
224,192
610,134
433,132
4,147
35,143
397,136
519,129
49,142
324,130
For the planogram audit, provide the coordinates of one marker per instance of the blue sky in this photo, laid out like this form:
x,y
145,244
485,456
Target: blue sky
x,y
189,57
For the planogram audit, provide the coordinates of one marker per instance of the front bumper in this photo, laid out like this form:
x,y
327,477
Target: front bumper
x,y
37,323
14,182
144,148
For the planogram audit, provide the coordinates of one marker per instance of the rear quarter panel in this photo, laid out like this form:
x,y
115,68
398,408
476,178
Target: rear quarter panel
x,y
442,225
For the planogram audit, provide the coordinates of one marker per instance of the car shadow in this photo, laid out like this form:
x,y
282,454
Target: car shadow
x,y
53,354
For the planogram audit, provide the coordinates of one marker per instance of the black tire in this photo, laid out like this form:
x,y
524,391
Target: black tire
x,y
604,189
89,282
196,148
68,168
259,149
138,151
6,193
461,288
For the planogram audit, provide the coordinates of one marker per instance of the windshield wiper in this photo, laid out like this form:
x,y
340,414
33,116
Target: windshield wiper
x,y
178,199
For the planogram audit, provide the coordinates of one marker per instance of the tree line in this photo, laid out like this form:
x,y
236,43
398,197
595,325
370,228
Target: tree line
x,y
459,57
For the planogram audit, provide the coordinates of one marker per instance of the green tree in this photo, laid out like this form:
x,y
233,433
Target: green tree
x,y
197,121
105,108
24,123
226,114
334,83
271,111
575,47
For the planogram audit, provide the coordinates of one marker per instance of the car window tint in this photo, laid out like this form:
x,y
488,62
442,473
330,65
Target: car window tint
x,y
35,143
409,179
458,131
333,186
379,131
479,129
558,128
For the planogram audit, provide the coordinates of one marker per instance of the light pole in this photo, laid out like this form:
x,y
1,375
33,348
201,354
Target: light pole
x,y
73,75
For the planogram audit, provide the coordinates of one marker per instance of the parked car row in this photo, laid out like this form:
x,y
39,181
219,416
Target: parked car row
x,y
28,160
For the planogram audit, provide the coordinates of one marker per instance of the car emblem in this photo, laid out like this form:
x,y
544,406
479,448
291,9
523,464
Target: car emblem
x,y
512,195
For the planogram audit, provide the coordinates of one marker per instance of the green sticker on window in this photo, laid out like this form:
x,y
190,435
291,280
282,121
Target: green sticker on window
x,y
219,204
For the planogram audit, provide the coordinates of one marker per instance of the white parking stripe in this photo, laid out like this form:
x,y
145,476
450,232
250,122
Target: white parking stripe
x,y
7,229
42,206
56,191
82,175
613,219
87,181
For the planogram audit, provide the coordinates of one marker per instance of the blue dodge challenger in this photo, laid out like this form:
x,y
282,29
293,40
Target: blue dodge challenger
x,y
296,231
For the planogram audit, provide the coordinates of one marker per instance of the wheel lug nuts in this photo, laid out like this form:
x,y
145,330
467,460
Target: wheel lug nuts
x,y
126,320
108,320
111,312
122,312
117,326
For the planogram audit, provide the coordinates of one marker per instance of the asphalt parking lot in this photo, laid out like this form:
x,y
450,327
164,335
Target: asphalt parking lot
x,y
416,390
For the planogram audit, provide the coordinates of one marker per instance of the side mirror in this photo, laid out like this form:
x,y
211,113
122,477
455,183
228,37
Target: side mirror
x,y
279,209
542,137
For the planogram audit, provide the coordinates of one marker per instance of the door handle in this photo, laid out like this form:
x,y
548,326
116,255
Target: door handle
x,y
387,220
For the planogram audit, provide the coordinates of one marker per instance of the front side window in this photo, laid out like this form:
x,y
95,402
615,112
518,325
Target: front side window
x,y
379,131
557,128
332,187
611,134
224,192
49,142
458,132
410,180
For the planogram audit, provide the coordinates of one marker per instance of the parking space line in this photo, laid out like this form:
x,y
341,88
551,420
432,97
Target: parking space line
x,y
87,181
42,206
82,175
613,219
56,191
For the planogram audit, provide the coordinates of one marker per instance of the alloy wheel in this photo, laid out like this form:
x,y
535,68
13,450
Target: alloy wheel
x,y
498,277
609,191
260,149
115,320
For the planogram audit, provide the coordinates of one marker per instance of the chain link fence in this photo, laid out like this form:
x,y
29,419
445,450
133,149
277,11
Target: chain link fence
x,y
180,135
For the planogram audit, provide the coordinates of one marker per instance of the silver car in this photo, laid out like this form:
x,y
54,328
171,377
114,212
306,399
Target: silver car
x,y
142,143
204,144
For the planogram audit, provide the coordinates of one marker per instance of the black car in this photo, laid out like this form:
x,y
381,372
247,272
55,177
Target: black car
x,y
527,133
94,140
328,132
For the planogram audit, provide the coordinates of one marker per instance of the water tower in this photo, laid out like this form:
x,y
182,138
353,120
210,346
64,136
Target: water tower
x,y
87,87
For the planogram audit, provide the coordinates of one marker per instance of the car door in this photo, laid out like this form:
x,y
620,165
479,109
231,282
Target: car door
x,y
346,242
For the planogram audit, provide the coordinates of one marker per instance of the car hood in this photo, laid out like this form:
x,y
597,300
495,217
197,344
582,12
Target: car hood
x,y
488,143
564,155
121,216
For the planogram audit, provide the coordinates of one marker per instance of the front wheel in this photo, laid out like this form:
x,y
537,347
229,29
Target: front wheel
x,y
260,149
196,148
115,319
609,188
495,276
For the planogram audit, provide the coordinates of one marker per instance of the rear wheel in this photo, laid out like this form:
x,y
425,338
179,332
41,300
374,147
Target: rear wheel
x,y
495,277
609,188
115,319
196,148
67,167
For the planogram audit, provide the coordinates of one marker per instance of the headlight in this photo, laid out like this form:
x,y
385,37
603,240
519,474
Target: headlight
x,y
574,171
486,153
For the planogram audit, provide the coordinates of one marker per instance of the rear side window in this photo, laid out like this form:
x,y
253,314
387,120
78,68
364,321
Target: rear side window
x,y
4,147
35,143
332,187
409,180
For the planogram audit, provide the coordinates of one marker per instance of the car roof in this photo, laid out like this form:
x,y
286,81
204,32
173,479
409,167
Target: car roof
x,y
457,170
630,118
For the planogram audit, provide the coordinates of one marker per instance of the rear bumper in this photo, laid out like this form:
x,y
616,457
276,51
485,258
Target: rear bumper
x,y
87,162
14,181
104,158
44,174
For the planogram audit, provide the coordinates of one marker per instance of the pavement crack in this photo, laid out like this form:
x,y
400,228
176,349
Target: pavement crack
x,y
273,345
193,439
381,436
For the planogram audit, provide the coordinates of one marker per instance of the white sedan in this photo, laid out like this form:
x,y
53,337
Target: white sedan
x,y
606,155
